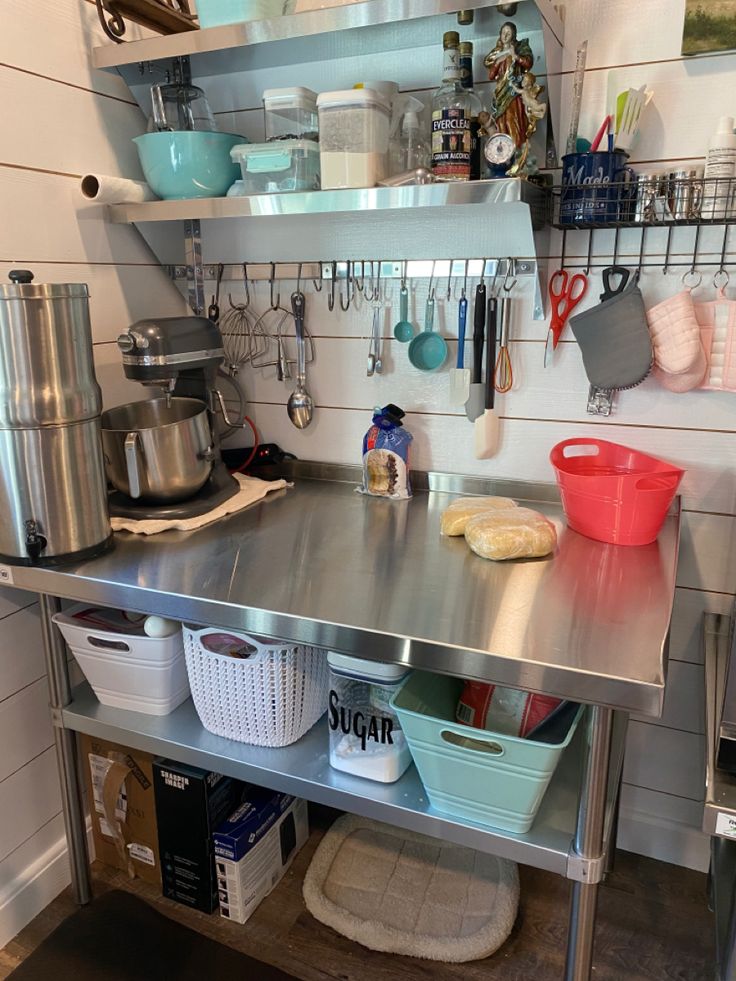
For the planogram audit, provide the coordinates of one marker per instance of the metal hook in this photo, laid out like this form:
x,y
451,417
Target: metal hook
x,y
331,294
272,277
246,284
667,250
404,270
726,228
641,249
370,292
695,248
465,281
724,273
299,277
345,302
431,291
590,252
483,272
615,246
510,271
318,289
449,281
359,285
492,291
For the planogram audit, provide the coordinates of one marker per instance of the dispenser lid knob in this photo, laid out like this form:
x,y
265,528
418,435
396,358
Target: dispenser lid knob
x,y
126,343
20,276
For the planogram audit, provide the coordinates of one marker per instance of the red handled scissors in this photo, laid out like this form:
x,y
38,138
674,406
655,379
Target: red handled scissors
x,y
563,301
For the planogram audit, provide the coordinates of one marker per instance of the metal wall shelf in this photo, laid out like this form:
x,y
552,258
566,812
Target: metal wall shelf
x,y
508,191
303,769
374,25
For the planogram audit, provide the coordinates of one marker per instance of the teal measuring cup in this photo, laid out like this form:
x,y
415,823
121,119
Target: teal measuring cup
x,y
428,350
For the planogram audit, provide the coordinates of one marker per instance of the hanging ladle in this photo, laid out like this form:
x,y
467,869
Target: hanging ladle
x,y
301,404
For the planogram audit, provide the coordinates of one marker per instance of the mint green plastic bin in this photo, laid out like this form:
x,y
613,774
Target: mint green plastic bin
x,y
473,773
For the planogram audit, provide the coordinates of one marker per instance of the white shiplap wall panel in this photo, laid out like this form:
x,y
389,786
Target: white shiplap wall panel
x,y
26,724
21,652
666,760
686,633
63,142
684,703
12,600
28,799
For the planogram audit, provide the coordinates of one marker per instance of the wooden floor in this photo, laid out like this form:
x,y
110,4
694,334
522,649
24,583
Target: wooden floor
x,y
653,926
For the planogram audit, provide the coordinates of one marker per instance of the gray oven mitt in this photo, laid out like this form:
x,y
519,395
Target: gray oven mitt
x,y
614,340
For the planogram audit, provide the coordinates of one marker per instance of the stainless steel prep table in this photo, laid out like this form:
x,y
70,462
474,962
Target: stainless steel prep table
x,y
320,564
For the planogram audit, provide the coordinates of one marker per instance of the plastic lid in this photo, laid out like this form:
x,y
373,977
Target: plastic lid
x,y
353,97
379,671
276,147
285,98
410,122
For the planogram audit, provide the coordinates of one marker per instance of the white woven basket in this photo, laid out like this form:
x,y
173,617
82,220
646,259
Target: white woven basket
x,y
271,700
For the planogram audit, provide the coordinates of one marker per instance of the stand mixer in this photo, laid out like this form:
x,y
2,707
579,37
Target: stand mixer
x,y
179,355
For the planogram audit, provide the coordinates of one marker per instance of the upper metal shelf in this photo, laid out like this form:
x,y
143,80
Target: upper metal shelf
x,y
492,192
375,25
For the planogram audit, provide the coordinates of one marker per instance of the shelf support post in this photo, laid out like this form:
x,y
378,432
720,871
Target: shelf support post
x,y
589,843
57,671
195,269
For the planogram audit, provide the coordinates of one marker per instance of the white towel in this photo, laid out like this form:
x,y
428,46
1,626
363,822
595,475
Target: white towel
x,y
252,489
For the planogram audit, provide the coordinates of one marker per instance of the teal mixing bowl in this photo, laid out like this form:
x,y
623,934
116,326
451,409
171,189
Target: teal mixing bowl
x,y
186,164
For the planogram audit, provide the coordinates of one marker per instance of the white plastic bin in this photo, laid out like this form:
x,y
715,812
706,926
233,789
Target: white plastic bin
x,y
291,114
285,165
365,732
125,668
252,689
353,135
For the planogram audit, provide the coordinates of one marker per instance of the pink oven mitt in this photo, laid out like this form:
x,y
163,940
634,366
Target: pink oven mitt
x,y
717,321
679,357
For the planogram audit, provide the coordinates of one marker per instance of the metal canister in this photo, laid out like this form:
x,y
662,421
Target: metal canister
x,y
53,491
647,186
684,192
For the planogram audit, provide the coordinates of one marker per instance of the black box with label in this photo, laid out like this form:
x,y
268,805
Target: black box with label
x,y
190,803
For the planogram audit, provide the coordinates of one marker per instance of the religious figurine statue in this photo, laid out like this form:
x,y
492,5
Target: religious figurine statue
x,y
515,108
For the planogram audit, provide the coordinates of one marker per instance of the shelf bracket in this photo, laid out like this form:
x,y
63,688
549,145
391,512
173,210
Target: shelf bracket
x,y
195,269
581,869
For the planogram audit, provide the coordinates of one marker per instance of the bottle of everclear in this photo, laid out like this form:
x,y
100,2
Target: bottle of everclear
x,y
466,79
453,109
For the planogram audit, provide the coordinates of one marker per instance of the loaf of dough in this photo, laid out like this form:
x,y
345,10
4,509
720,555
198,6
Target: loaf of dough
x,y
517,533
456,515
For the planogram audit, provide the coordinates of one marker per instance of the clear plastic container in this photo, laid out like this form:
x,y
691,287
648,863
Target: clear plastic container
x,y
365,732
291,114
354,131
287,165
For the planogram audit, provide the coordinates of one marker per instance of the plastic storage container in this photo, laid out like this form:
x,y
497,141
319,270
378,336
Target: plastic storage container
x,y
212,13
291,114
125,668
612,493
473,773
365,733
288,165
353,135
264,692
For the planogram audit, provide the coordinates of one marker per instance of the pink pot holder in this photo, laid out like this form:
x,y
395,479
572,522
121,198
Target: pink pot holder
x,y
680,361
717,320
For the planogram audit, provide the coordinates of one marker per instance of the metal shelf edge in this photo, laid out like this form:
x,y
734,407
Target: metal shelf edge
x,y
296,203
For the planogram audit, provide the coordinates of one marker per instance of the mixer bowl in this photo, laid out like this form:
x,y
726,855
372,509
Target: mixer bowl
x,y
158,451
186,164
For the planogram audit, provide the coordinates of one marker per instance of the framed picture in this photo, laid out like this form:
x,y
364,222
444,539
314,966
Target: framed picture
x,y
710,25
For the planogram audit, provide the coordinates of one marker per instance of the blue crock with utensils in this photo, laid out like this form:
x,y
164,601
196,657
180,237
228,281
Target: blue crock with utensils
x,y
592,186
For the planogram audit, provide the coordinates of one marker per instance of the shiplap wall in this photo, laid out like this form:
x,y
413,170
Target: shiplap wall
x,y
628,43
60,119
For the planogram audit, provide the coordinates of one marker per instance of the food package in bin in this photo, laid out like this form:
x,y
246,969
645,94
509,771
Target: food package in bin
x,y
508,711
386,455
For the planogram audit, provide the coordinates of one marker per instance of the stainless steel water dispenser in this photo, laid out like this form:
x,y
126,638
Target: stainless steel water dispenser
x,y
53,494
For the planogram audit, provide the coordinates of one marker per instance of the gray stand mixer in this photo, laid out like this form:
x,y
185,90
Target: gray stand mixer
x,y
163,455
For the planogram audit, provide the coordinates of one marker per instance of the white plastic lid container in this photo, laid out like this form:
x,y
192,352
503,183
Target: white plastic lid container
x,y
291,114
286,165
354,130
365,733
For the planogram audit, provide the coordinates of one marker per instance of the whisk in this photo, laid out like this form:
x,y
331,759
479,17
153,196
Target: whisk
x,y
236,327
503,375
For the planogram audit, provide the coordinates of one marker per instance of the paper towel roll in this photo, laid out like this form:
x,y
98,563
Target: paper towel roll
x,y
103,189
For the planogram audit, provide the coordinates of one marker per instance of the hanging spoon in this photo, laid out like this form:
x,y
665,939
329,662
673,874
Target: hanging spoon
x,y
301,404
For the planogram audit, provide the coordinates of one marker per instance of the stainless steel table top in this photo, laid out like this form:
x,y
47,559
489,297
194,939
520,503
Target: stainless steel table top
x,y
321,564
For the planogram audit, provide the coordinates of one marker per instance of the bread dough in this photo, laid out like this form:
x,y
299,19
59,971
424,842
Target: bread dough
x,y
516,533
456,515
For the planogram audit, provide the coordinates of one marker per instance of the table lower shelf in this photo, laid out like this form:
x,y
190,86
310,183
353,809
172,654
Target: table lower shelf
x,y
303,769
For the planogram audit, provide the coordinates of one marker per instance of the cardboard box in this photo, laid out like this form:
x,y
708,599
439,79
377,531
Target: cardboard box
x,y
255,846
190,803
123,808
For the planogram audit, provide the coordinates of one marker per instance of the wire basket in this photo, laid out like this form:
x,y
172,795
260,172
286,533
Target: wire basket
x,y
271,698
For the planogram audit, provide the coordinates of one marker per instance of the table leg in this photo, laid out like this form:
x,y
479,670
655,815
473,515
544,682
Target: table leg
x,y
589,844
66,750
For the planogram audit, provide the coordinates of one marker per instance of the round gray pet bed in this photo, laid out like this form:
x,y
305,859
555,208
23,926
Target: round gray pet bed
x,y
405,893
